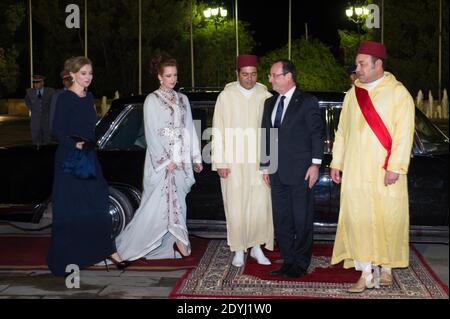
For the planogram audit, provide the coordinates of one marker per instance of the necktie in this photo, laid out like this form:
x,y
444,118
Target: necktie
x,y
279,113
39,95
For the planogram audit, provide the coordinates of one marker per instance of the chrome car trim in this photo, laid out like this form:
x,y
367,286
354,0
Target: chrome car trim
x,y
322,231
112,128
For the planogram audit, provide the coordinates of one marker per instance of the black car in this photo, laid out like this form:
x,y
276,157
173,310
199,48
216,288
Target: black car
x,y
26,173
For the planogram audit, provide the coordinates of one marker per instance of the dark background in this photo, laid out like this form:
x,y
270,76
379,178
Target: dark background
x,y
270,21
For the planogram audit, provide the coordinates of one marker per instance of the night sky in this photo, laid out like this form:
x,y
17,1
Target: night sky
x,y
269,21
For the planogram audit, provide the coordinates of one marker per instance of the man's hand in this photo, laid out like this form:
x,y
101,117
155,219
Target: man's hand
x,y
266,179
312,174
390,178
336,175
223,172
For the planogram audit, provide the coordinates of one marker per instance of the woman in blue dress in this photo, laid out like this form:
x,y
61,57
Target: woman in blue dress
x,y
82,226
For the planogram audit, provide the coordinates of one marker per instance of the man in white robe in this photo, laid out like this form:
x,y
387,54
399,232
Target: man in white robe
x,y
372,148
235,154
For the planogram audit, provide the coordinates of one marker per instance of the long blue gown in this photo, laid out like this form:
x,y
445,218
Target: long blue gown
x,y
81,230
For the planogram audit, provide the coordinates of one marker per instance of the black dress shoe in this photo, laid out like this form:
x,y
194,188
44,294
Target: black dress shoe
x,y
295,272
281,271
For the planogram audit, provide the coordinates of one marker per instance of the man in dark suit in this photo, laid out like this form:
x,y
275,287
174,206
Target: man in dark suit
x,y
67,82
38,101
295,151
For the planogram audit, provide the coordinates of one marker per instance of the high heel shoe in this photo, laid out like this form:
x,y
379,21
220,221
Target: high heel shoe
x,y
177,249
106,265
121,265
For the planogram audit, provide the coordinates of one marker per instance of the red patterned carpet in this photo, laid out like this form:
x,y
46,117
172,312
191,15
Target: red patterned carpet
x,y
215,277
29,252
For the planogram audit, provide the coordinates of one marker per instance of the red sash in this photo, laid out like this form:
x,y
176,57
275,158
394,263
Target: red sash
x,y
374,120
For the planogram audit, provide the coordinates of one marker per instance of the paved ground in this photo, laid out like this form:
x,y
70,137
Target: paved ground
x,y
136,284
119,284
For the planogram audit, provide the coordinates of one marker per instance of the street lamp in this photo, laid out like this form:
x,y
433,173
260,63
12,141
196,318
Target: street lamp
x,y
357,14
217,14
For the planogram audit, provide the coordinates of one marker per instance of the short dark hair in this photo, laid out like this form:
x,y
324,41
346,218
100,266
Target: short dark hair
x,y
375,58
288,67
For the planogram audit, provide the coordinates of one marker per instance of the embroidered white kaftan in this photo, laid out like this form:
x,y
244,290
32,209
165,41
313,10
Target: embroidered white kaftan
x,y
161,217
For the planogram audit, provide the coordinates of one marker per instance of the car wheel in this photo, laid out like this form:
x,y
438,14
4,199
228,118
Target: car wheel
x,y
134,195
120,209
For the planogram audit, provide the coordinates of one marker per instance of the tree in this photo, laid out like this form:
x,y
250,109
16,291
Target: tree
x,y
112,39
411,37
113,42
349,43
317,68
11,17
214,50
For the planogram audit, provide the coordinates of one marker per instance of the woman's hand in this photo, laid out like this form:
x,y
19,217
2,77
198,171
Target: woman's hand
x,y
198,167
171,167
79,145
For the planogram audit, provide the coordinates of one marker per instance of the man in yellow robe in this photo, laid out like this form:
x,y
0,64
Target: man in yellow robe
x,y
235,155
373,224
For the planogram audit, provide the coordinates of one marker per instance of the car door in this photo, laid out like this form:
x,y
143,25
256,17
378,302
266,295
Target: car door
x,y
427,175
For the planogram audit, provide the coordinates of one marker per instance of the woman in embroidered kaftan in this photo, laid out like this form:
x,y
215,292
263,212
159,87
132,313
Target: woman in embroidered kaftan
x,y
172,154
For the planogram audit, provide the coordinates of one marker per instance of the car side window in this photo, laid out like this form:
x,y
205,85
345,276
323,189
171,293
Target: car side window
x,y
202,114
431,139
130,133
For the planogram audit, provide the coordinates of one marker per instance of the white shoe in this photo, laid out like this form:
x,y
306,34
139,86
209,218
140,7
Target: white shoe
x,y
238,260
258,254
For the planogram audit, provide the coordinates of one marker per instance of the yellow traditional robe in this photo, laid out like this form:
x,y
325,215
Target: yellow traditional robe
x,y
236,146
373,221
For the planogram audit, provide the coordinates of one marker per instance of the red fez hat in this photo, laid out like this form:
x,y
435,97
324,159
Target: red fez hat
x,y
38,78
65,74
375,49
246,60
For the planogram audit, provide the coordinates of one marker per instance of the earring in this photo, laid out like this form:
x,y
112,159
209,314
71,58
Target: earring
x,y
161,82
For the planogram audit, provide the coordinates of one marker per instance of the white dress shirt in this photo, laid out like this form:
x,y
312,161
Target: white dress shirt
x,y
288,98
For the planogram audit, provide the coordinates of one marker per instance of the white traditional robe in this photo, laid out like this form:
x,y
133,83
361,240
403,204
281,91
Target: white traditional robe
x,y
161,217
246,198
373,221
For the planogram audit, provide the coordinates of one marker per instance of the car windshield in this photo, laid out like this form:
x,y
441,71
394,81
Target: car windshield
x,y
431,138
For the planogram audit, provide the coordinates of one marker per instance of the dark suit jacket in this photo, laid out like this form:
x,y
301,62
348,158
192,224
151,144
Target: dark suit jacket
x,y
34,104
300,136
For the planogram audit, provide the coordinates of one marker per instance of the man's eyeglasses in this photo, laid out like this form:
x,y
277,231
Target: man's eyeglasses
x,y
273,75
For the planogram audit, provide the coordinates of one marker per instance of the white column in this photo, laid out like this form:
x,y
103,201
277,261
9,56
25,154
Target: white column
x,y
140,48
440,51
382,21
85,29
30,31
289,29
237,26
192,51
